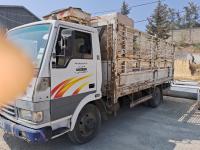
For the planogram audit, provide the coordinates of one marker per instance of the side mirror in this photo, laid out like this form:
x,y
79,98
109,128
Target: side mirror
x,y
66,33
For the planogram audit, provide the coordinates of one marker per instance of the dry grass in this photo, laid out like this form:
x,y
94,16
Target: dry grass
x,y
186,71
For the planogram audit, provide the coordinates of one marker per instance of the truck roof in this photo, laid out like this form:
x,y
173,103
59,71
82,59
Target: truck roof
x,y
59,22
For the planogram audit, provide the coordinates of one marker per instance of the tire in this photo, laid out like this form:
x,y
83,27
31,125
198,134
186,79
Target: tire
x,y
157,98
87,125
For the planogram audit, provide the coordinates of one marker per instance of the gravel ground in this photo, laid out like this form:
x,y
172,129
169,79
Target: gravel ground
x,y
174,125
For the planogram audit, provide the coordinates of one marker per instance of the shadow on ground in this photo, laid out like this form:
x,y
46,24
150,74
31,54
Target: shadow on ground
x,y
171,126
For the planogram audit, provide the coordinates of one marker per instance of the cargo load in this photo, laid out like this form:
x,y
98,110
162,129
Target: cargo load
x,y
71,14
131,60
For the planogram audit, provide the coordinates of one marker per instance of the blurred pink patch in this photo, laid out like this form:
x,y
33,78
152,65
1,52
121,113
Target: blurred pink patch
x,y
16,70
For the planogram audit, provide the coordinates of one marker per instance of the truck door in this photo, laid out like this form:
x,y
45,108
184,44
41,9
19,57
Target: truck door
x,y
73,71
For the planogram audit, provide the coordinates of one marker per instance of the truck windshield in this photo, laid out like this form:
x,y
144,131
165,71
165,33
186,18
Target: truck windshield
x,y
32,40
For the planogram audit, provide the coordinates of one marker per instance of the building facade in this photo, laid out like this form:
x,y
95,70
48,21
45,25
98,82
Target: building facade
x,y
13,16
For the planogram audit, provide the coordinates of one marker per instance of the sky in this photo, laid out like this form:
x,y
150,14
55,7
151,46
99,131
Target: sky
x,y
42,7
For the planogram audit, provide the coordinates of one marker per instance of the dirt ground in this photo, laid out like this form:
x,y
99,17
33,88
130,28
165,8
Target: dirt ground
x,y
174,125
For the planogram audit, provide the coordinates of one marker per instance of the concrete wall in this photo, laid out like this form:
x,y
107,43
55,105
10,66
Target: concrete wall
x,y
191,36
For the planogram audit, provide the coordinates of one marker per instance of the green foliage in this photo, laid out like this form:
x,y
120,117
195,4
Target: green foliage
x,y
173,18
165,18
172,15
189,18
159,23
191,15
125,10
179,21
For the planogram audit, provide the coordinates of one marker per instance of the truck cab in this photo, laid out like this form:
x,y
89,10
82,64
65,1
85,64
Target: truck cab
x,y
67,77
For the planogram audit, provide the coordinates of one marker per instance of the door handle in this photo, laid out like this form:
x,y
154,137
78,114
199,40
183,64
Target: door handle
x,y
91,86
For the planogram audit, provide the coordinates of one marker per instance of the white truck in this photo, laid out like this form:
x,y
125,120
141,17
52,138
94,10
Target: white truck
x,y
83,74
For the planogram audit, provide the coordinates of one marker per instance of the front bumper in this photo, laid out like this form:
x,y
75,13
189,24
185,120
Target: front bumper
x,y
25,133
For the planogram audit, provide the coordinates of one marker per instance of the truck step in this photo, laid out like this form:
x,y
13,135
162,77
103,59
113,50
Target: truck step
x,y
140,100
59,132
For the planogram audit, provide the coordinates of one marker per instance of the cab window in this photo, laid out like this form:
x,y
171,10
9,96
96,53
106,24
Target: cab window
x,y
82,46
72,44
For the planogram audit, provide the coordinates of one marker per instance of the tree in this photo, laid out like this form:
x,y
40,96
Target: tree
x,y
176,20
191,15
172,18
125,10
158,23
179,20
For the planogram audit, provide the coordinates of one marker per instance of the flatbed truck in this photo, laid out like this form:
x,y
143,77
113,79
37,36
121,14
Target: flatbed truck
x,y
82,75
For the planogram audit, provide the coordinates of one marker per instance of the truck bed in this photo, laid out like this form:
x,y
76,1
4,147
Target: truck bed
x,y
127,83
131,60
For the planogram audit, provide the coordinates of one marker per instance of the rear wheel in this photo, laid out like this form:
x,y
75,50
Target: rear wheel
x,y
87,125
157,98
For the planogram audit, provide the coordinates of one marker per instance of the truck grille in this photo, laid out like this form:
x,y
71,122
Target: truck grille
x,y
8,110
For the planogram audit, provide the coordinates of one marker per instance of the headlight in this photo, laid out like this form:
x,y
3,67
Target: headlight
x,y
35,117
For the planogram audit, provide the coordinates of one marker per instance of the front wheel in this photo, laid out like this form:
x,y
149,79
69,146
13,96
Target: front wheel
x,y
87,125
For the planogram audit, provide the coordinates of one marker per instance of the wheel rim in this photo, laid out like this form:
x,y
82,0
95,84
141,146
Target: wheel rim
x,y
87,125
